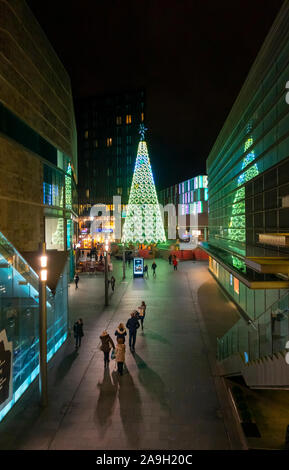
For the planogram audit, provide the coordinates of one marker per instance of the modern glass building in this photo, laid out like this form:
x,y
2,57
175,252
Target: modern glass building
x,y
38,197
248,175
190,197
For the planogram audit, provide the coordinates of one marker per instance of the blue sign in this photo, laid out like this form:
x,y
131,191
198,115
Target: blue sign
x,y
138,267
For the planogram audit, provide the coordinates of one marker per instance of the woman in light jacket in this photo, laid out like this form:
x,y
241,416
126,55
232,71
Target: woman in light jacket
x,y
120,355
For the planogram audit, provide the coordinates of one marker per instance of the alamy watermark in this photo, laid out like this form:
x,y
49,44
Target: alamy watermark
x,y
179,225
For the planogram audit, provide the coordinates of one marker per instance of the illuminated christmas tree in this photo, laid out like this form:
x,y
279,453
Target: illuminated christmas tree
x,y
143,223
237,226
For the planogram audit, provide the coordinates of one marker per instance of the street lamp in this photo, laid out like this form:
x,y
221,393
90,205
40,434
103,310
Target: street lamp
x,y
106,273
43,327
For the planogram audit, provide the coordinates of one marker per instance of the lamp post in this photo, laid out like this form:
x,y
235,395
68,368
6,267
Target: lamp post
x,y
123,262
43,327
106,274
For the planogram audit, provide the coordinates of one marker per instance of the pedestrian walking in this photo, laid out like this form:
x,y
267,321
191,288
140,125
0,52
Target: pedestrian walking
x,y
120,355
132,325
106,345
154,266
120,332
175,263
170,259
78,332
112,283
142,313
76,279
146,271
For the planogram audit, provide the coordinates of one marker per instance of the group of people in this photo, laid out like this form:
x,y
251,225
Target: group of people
x,y
175,261
111,281
106,342
135,321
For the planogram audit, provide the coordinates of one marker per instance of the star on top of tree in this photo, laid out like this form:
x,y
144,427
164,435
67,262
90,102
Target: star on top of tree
x,y
142,131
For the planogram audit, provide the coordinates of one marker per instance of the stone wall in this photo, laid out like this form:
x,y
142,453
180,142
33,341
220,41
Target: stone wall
x,y
33,82
21,194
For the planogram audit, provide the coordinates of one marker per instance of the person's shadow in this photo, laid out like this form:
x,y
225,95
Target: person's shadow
x,y
106,399
64,367
151,381
130,409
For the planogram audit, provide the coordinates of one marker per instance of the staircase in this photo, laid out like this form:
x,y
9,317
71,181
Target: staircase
x,y
19,320
257,350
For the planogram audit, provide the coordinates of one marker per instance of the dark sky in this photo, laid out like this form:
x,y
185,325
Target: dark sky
x,y
192,56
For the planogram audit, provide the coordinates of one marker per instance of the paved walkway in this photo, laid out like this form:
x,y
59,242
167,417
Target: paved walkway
x,y
168,397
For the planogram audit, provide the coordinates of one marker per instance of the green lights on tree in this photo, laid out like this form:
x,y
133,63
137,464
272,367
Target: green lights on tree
x,y
237,226
143,223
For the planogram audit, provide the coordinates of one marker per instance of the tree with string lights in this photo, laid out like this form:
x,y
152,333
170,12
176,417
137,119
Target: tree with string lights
x,y
143,223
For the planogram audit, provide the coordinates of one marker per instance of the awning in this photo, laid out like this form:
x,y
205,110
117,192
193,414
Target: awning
x,y
245,272
56,261
268,264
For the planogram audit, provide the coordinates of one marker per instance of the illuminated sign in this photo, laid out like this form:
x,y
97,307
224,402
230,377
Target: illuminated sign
x,y
138,267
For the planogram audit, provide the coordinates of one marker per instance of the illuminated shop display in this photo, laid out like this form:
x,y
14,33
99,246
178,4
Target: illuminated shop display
x,y
237,226
143,222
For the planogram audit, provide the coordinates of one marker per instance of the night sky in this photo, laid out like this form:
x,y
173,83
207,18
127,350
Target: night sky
x,y
192,57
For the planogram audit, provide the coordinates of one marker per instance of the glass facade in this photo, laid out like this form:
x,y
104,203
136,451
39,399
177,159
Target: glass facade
x,y
19,318
248,174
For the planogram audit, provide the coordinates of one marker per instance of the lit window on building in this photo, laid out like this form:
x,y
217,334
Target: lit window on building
x,y
128,119
118,120
119,191
142,117
95,143
86,134
87,193
236,285
109,142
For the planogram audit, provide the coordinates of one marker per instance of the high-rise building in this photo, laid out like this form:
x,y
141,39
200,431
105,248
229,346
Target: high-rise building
x,y
248,176
38,199
108,136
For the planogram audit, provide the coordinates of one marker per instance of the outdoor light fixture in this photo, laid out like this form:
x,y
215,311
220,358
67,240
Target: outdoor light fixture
x,y
43,275
43,261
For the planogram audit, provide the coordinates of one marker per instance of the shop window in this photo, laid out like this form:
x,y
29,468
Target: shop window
x,y
54,233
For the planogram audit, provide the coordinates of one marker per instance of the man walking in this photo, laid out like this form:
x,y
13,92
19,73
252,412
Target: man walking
x,y
78,332
154,269
112,283
170,259
132,325
76,279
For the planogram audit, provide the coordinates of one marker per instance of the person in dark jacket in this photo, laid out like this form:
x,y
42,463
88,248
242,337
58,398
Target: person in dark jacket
x,y
78,332
112,283
120,332
142,313
76,279
154,266
106,345
132,325
170,259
